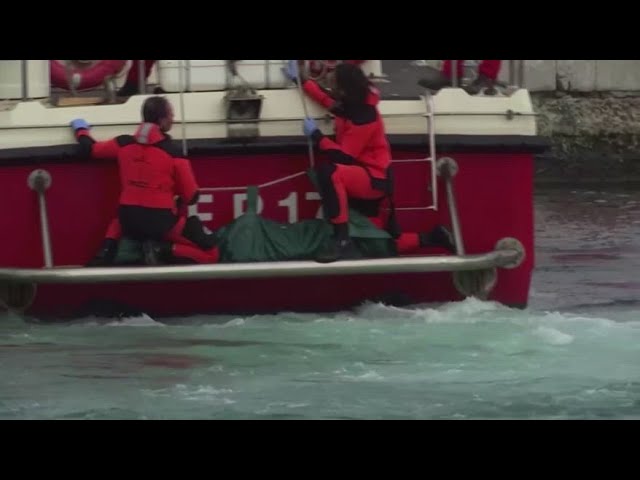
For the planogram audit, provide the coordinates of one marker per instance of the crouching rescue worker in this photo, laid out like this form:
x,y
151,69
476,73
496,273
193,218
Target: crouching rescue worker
x,y
359,158
152,175
359,167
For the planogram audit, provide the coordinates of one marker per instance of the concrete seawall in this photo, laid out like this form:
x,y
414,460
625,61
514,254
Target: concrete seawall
x,y
580,75
591,111
595,136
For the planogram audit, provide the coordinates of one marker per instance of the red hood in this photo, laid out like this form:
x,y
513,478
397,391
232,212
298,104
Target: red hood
x,y
149,134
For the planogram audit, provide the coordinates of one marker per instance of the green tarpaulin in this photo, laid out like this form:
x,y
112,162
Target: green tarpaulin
x,y
251,238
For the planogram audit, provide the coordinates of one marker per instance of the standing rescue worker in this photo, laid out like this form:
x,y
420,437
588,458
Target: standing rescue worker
x,y
488,71
359,158
152,175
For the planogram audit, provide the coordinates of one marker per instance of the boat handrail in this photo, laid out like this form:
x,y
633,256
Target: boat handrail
x,y
430,115
25,83
142,78
499,258
183,122
39,181
448,168
323,117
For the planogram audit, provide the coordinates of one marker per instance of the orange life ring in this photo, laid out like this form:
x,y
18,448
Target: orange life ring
x,y
83,74
318,69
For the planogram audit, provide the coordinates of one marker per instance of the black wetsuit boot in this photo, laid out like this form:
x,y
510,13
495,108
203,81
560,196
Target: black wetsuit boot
x,y
438,237
107,254
156,253
341,246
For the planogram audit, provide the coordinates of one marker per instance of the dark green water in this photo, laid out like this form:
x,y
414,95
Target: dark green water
x,y
574,353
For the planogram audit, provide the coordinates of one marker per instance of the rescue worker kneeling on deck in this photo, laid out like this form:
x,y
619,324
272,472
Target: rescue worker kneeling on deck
x,y
151,175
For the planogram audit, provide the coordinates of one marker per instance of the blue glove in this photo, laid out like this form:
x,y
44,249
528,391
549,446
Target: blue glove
x,y
309,126
79,124
291,70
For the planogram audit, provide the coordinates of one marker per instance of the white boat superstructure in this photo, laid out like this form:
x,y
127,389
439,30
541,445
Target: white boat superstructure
x,y
35,121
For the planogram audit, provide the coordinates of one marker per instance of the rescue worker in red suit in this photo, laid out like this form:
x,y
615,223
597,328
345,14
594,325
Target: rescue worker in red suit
x,y
152,175
488,71
360,157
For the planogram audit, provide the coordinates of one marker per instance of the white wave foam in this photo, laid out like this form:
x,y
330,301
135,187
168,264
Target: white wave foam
x,y
200,392
236,322
208,393
559,317
323,320
472,305
285,405
208,390
214,323
370,375
470,310
553,336
19,335
140,321
464,311
379,311
473,310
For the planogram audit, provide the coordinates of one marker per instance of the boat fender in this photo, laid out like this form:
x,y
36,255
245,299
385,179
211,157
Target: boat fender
x,y
476,283
16,297
318,69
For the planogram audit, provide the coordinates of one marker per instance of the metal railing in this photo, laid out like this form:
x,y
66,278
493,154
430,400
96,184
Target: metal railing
x,y
498,258
516,73
448,169
183,121
25,77
39,181
431,122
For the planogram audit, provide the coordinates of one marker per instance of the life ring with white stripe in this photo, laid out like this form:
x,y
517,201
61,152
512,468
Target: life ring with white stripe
x,y
83,74
318,69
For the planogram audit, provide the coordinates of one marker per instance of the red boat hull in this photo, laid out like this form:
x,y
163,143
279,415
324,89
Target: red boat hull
x,y
494,193
173,299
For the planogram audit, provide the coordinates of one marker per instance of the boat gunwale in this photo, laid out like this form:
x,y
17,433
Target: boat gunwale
x,y
71,153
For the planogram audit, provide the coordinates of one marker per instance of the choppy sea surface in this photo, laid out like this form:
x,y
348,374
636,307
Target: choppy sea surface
x,y
574,353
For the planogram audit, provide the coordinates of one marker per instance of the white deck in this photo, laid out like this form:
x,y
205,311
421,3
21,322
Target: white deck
x,y
37,124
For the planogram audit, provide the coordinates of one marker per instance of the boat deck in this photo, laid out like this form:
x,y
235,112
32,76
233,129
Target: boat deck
x,y
401,80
